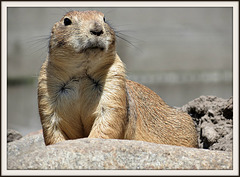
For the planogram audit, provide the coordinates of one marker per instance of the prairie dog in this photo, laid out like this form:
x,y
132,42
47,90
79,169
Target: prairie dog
x,y
83,90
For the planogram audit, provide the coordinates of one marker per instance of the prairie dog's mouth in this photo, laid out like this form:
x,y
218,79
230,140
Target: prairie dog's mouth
x,y
94,45
83,45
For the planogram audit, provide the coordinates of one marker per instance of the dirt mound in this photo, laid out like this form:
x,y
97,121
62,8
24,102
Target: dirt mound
x,y
213,118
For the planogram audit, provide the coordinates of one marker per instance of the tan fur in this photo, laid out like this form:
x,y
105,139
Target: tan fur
x,y
83,91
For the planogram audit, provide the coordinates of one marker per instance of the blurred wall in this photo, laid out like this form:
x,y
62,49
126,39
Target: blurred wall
x,y
180,53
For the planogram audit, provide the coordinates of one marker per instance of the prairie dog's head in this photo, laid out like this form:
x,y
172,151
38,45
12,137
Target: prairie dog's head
x,y
80,32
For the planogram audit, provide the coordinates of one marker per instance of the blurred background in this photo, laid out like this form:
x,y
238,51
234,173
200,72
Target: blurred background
x,y
180,53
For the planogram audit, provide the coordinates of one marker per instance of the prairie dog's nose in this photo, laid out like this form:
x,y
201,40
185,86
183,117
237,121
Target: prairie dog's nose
x,y
96,29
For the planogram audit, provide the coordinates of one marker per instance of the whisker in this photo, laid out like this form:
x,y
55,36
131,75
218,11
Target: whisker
x,y
38,39
38,43
125,40
128,39
125,35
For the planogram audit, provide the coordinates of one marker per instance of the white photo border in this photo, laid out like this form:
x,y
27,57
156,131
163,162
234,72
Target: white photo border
x,y
6,4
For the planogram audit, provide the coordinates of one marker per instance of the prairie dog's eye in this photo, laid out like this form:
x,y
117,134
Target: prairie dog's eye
x,y
67,21
104,19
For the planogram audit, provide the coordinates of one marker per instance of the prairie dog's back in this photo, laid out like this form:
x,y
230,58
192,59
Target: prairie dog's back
x,y
155,121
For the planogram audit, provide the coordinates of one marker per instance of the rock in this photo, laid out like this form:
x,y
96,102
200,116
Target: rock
x,y
31,153
13,135
26,144
208,135
213,118
228,109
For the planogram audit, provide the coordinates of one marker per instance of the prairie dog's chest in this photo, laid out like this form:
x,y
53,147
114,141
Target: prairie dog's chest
x,y
76,93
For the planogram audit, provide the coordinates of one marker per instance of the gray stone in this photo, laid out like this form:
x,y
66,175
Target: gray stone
x,y
31,153
13,135
212,117
25,145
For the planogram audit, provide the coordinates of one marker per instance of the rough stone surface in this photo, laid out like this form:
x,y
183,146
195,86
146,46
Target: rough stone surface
x,y
25,145
111,154
13,135
213,118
